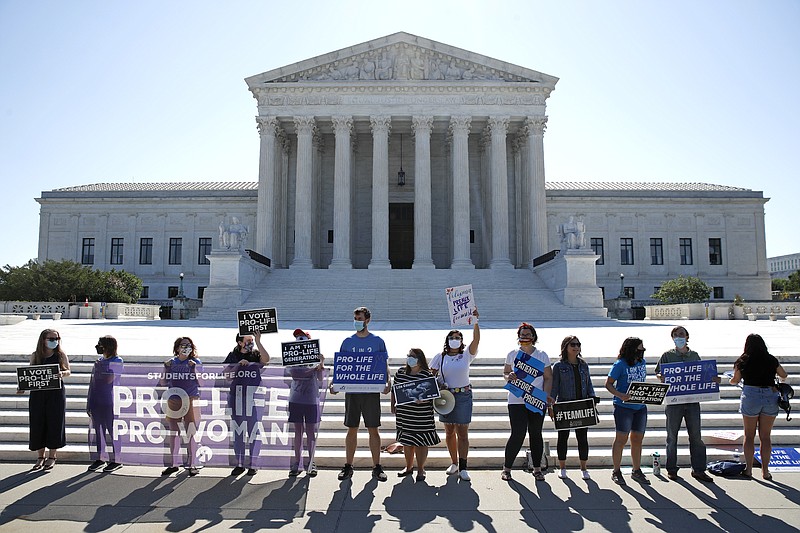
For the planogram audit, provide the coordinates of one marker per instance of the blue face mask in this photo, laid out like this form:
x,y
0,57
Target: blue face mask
x,y
680,342
358,324
411,361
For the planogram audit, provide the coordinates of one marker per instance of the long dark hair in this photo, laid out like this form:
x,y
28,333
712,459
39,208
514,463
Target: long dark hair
x,y
421,360
629,351
446,349
38,357
109,345
568,339
755,351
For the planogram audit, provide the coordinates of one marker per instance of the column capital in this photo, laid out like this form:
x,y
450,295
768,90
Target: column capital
x,y
305,125
460,124
498,124
422,124
267,125
342,124
380,124
535,125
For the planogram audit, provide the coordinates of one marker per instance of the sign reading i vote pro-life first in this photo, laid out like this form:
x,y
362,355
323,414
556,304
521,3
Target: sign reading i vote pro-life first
x,y
38,377
460,305
263,320
527,369
690,382
300,352
359,372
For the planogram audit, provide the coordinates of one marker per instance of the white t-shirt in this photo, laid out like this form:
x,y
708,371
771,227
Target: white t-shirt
x,y
454,369
538,382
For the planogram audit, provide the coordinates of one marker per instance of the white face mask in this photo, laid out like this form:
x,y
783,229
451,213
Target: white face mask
x,y
301,338
52,344
249,346
185,351
454,344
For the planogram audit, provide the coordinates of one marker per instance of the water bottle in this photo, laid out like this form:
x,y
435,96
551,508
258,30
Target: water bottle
x,y
656,464
736,456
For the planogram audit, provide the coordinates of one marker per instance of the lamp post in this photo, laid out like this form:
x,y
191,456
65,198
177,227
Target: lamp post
x,y
180,290
621,285
401,175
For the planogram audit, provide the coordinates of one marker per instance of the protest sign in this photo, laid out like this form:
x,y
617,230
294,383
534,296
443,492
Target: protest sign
x,y
460,305
263,320
153,421
418,390
575,414
38,377
300,352
782,459
359,372
647,393
535,400
690,381
527,367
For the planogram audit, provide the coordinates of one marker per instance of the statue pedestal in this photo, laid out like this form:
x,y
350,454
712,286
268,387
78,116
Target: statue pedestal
x,y
620,308
232,278
572,278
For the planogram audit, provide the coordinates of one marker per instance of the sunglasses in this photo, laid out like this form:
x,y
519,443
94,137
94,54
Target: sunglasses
x,y
575,344
184,345
53,338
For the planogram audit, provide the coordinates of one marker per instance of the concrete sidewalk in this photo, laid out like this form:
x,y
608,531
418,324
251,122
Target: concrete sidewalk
x,y
137,499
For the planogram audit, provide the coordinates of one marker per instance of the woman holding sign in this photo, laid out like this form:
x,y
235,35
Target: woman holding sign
x,y
629,418
451,368
181,373
47,408
524,420
304,413
572,381
416,429
759,402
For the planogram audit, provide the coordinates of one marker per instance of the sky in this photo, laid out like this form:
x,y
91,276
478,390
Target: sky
x,y
148,91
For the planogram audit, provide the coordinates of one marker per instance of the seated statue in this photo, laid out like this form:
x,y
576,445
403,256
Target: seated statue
x,y
572,234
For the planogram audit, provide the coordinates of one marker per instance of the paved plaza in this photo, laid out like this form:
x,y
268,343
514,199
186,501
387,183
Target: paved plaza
x,y
138,499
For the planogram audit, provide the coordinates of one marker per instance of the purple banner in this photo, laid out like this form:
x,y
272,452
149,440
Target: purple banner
x,y
201,415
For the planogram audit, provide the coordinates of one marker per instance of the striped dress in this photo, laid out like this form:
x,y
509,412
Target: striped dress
x,y
415,424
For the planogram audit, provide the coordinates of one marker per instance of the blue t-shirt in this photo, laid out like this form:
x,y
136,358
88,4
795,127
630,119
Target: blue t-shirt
x,y
105,375
623,376
183,375
369,344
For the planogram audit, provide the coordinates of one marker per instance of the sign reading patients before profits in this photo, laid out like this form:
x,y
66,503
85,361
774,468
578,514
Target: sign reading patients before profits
x,y
263,320
460,305
300,352
359,372
691,382
647,393
38,377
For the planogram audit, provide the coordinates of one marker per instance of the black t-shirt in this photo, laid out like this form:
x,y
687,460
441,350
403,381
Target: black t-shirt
x,y
758,373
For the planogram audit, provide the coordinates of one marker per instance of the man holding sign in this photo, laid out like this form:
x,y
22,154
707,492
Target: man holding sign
x,y
361,351
690,411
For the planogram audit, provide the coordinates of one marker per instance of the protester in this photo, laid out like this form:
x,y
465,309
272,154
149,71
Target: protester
x,y
100,403
304,413
522,419
572,381
629,418
367,405
47,408
416,429
244,373
757,368
181,372
683,411
451,368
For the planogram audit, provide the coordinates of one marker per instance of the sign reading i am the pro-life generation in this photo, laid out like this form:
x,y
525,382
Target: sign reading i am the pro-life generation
x,y
460,305
263,320
38,377
647,393
575,414
300,352
526,369
691,382
359,372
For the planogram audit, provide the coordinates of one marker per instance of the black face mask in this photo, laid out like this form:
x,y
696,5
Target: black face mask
x,y
99,349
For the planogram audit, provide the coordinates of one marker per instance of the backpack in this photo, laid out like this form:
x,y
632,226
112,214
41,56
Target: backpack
x,y
786,393
726,468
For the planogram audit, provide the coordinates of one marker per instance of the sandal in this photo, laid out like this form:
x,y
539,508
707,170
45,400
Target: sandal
x,y
38,464
767,476
50,463
538,475
506,475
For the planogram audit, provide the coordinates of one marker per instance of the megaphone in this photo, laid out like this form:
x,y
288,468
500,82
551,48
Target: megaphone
x,y
445,403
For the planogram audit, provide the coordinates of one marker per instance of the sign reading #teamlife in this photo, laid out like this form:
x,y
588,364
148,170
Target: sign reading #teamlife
x,y
39,377
300,352
263,320
460,305
416,391
647,393
575,414
691,381
359,372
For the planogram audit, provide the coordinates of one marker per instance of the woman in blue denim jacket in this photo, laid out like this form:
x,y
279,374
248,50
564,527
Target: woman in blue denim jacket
x,y
572,381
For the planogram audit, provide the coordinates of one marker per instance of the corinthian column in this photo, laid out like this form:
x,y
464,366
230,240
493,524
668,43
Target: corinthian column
x,y
342,126
422,191
499,128
303,192
535,131
267,200
380,191
459,125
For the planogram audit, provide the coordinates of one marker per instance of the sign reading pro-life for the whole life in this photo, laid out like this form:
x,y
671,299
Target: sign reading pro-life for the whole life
x,y
691,382
263,320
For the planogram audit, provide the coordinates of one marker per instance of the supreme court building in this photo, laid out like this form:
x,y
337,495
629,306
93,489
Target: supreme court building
x,y
397,159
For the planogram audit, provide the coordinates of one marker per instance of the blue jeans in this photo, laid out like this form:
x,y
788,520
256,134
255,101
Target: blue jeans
x,y
697,449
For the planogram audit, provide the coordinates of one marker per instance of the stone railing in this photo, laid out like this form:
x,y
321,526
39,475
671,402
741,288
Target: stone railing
x,y
722,311
56,310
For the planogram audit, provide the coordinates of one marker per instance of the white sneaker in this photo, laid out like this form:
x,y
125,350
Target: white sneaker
x,y
464,475
452,469
585,474
563,473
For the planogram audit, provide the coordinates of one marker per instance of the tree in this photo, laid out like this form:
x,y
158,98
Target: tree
x,y
683,289
67,281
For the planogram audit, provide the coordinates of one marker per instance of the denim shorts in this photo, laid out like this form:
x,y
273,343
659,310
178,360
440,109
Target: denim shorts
x,y
462,412
759,401
627,420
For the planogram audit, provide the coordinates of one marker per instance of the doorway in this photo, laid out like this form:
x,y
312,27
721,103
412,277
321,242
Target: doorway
x,y
401,235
